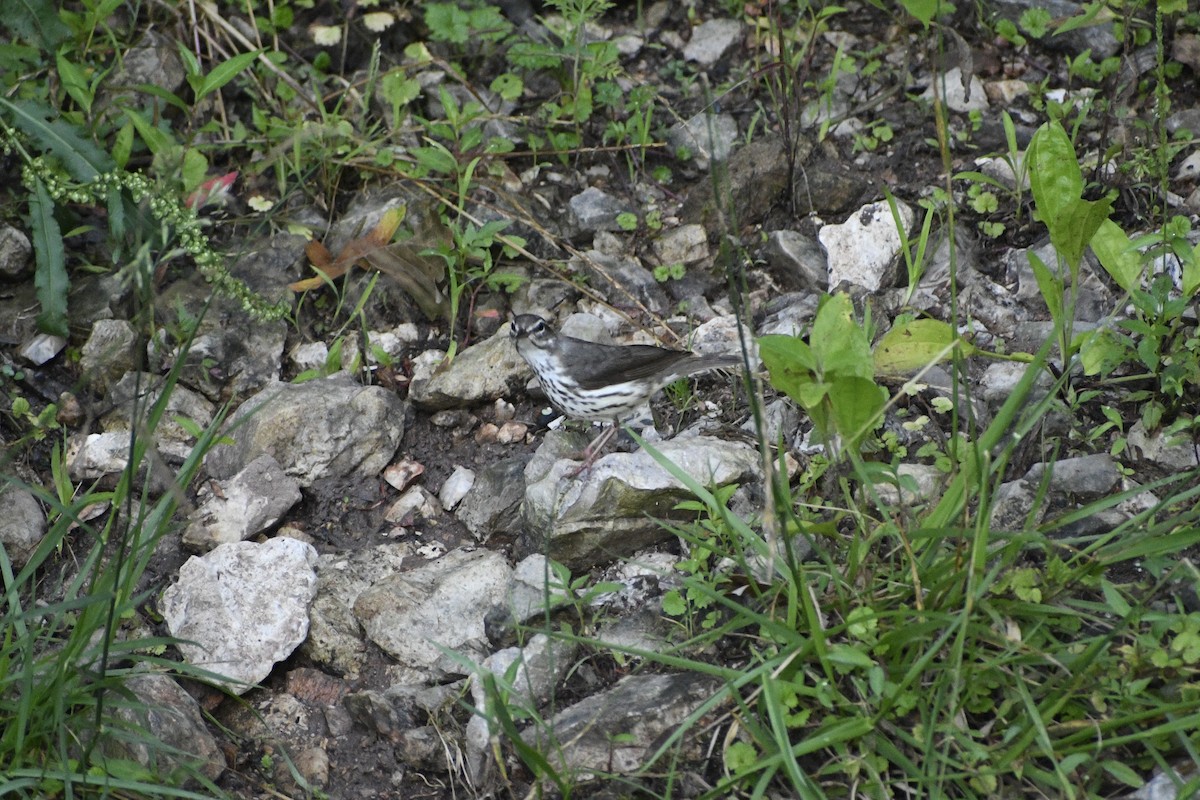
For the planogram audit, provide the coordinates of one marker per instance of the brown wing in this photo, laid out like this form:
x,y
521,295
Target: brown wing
x,y
611,363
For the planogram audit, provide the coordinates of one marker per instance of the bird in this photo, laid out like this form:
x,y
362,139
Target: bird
x,y
602,382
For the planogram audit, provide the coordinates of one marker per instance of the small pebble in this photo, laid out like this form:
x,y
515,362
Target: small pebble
x,y
403,473
512,432
488,433
456,487
503,410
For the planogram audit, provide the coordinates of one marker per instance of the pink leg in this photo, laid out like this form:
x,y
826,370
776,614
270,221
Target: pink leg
x,y
592,450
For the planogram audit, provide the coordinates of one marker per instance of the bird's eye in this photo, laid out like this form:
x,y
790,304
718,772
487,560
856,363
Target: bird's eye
x,y
539,327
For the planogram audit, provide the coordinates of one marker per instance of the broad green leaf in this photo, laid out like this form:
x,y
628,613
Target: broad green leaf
x,y
1073,228
123,145
1117,255
810,395
844,655
50,280
399,89
1114,599
1050,285
170,98
839,344
1090,11
923,11
156,140
37,22
786,354
857,406
1102,352
1124,773
82,158
191,66
436,159
915,344
224,72
1054,175
195,167
75,82
508,86
1191,273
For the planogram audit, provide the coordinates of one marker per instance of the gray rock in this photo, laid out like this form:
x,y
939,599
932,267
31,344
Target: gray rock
x,y
494,503
139,392
99,454
648,630
233,354
456,487
481,373
757,176
1093,302
788,314
1177,454
168,714
1184,119
686,244
588,327
624,281
154,60
242,607
95,297
918,484
534,582
1097,37
248,503
527,676
1164,785
829,187
609,511
708,137
712,40
798,260
42,347
781,418
618,729
109,352
1012,504
422,747
720,335
414,615
862,250
1000,379
1006,92
958,97
415,503
326,428
595,210
22,524
313,765
1091,475
403,473
16,254
334,636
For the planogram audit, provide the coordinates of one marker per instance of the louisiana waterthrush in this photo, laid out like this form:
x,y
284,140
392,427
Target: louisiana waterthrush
x,y
602,382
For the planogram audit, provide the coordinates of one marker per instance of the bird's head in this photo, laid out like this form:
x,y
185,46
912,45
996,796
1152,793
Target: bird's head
x,y
531,331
